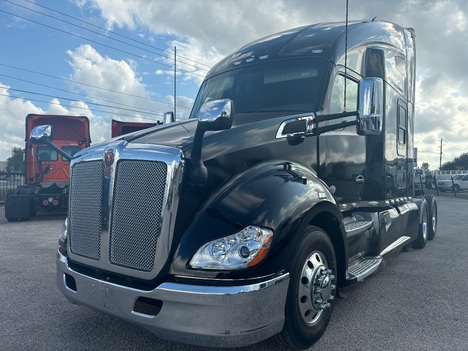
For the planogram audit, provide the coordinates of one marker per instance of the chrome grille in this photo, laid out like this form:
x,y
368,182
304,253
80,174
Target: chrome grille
x,y
123,220
85,209
137,213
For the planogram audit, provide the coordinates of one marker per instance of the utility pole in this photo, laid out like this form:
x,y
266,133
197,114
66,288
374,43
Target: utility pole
x,y
440,163
175,81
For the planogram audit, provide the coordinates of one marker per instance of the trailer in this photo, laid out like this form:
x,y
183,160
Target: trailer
x,y
292,178
47,167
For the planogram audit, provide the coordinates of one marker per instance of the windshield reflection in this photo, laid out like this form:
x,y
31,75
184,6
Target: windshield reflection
x,y
267,90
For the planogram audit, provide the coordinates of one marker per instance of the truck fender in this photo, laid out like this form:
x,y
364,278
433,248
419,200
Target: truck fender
x,y
284,197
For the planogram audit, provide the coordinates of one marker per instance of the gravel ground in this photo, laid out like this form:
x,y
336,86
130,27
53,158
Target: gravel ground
x,y
418,301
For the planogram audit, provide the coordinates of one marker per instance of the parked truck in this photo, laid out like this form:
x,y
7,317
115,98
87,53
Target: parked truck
x,y
292,178
47,166
456,184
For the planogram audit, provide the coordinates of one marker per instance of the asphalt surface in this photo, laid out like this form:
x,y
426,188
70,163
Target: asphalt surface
x,y
418,301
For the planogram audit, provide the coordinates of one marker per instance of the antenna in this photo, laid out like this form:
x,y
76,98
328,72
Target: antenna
x,y
346,54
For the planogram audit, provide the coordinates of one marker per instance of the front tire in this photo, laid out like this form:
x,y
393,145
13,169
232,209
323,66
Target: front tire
x,y
311,291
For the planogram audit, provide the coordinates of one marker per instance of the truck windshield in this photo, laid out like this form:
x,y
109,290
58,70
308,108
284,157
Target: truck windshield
x,y
268,89
71,150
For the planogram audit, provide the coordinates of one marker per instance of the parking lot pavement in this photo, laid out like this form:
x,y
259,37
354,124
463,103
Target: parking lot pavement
x,y
418,301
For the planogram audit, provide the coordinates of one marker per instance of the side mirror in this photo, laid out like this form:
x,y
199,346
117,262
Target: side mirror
x,y
215,115
370,117
40,133
169,117
43,135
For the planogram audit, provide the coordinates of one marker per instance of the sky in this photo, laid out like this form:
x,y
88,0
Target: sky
x,y
114,59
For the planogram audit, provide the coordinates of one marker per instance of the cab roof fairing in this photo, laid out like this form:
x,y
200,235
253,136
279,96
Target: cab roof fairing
x,y
325,40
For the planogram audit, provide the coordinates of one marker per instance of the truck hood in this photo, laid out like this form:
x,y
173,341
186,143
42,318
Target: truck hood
x,y
254,136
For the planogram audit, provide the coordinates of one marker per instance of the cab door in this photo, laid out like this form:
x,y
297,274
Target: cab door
x,y
342,152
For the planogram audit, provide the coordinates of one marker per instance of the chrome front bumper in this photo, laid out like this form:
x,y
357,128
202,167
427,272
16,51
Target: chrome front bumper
x,y
230,316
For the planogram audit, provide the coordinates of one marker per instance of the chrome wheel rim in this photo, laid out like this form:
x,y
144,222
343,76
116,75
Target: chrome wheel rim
x,y
424,228
316,288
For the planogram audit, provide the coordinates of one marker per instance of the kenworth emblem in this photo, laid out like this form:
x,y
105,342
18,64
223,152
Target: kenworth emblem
x,y
108,162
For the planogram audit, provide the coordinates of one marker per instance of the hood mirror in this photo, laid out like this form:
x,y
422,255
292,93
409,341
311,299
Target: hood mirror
x,y
215,115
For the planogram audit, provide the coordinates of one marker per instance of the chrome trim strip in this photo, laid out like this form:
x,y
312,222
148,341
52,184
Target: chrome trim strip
x,y
399,242
222,290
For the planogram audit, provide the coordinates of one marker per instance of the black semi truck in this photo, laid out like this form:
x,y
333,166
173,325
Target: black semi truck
x,y
292,178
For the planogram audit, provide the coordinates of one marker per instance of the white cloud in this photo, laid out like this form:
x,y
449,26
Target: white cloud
x,y
105,78
14,112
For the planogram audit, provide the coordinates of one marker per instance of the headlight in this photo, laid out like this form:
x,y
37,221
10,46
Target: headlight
x,y
244,249
64,233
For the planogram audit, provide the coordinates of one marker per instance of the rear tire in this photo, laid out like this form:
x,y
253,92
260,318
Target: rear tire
x,y
421,240
433,217
312,290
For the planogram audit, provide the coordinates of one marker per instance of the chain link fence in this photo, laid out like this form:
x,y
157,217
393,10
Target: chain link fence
x,y
9,180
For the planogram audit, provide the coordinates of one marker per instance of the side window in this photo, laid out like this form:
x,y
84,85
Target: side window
x,y
396,70
337,103
402,128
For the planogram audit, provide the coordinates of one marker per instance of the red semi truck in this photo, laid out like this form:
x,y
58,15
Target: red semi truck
x,y
47,166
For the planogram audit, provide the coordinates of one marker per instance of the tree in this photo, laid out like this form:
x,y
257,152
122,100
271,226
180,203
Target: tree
x,y
460,162
15,161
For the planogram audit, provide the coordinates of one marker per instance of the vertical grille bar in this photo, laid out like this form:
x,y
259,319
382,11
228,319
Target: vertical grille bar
x,y
85,209
137,213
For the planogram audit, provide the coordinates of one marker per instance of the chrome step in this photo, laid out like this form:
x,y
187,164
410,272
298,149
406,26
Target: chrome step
x,y
356,227
363,268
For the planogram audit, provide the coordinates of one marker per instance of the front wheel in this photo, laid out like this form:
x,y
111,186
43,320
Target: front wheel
x,y
311,291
